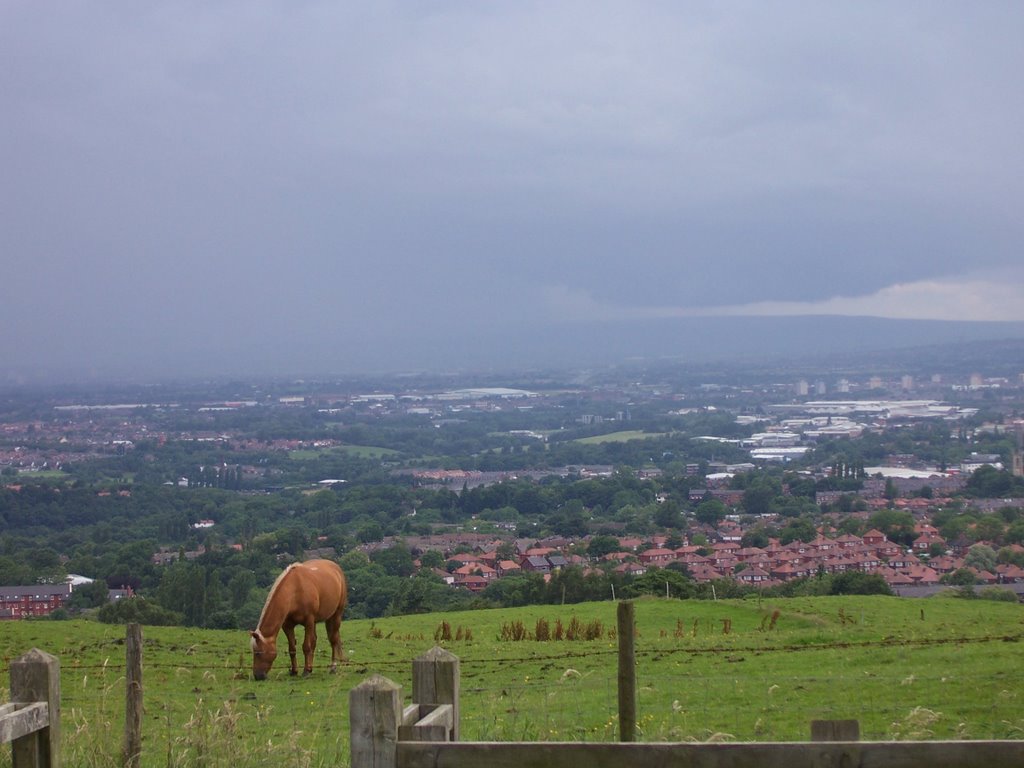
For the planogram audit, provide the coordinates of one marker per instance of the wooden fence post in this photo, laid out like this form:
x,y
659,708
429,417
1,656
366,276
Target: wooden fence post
x,y
36,677
374,714
133,697
627,672
435,680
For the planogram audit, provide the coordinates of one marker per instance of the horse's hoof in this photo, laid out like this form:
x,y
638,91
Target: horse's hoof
x,y
307,672
293,673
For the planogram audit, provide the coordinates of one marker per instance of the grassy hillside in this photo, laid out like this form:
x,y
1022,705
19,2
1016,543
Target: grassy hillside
x,y
619,437
916,669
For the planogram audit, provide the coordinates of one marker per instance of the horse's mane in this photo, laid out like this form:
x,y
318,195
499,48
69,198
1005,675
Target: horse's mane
x,y
270,595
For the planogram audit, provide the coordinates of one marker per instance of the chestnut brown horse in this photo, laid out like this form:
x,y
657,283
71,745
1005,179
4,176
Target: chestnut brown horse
x,y
304,594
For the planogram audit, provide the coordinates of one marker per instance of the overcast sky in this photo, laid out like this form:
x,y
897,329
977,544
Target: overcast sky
x,y
304,186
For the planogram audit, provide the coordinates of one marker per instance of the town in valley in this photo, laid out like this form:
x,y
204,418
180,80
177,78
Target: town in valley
x,y
900,474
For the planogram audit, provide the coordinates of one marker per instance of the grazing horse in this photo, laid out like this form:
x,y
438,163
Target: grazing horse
x,y
303,594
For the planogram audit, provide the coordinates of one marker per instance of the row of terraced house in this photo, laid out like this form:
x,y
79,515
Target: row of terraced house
x,y
754,566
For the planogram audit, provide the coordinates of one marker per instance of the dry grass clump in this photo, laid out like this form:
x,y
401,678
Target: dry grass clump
x,y
543,631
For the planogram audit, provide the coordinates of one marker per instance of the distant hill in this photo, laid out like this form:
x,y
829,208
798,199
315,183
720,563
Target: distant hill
x,y
832,341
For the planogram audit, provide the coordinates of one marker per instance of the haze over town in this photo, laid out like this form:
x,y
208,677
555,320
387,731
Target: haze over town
x,y
270,187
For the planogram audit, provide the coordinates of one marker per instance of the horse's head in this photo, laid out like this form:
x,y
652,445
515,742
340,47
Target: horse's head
x,y
264,651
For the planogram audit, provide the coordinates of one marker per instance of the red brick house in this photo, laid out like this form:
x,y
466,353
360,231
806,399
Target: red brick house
x,y
657,556
753,576
631,569
472,582
476,569
508,568
874,537
34,600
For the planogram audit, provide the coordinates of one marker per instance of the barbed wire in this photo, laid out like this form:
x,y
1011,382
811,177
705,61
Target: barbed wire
x,y
560,680
590,652
535,708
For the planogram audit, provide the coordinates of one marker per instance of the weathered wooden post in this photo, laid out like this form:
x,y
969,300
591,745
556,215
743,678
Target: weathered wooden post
x,y
435,681
627,672
35,677
374,714
132,753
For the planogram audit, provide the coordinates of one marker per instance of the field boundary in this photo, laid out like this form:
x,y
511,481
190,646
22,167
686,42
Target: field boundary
x,y
425,733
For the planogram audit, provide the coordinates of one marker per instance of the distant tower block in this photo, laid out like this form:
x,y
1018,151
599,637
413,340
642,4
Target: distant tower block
x,y
907,382
802,388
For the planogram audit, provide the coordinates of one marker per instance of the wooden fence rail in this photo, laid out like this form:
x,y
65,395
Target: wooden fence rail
x,y
866,754
31,721
425,733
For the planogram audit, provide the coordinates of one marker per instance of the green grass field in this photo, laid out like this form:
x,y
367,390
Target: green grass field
x,y
360,451
908,669
619,437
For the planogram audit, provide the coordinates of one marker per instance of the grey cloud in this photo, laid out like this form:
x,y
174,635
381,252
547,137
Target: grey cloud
x,y
336,177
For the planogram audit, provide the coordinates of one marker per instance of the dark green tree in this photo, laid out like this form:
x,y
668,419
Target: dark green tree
x,y
981,557
857,583
601,545
898,526
662,582
396,560
668,515
138,610
92,595
799,529
183,591
711,512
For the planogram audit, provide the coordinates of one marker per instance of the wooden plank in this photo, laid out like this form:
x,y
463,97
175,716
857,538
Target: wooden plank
x,y
864,754
423,732
23,719
835,730
6,709
411,714
426,723
442,714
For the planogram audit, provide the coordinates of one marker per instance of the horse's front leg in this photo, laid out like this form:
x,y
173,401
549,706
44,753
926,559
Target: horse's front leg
x,y
289,632
309,646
